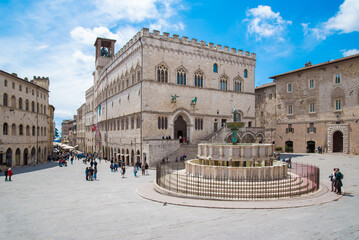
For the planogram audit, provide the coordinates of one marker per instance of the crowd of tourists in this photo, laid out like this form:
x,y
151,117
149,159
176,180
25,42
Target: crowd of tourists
x,y
336,178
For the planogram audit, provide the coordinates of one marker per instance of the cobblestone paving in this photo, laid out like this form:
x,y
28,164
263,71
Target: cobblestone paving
x,y
58,203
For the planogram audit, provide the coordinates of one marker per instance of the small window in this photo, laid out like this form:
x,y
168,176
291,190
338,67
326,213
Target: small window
x,y
5,129
215,68
33,92
20,88
290,128
245,73
289,87
270,96
13,85
312,108
337,79
5,100
198,79
290,109
27,90
311,83
5,83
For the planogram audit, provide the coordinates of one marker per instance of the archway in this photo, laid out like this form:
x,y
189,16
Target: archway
x,y
338,141
138,156
289,146
132,157
33,153
180,128
17,157
26,154
9,157
311,147
38,155
127,157
123,156
248,138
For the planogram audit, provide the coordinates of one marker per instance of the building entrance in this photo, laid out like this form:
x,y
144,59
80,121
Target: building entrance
x,y
180,128
338,141
311,147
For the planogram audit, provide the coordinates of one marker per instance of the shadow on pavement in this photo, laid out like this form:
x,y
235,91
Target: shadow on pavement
x,y
292,155
26,169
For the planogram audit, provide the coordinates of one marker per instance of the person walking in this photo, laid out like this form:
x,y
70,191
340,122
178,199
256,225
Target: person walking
x,y
135,170
10,174
123,171
146,167
6,173
111,167
338,181
72,160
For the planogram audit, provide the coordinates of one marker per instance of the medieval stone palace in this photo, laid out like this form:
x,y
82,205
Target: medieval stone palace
x,y
158,89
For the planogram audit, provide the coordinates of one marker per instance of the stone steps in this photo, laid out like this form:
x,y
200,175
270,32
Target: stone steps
x,y
235,190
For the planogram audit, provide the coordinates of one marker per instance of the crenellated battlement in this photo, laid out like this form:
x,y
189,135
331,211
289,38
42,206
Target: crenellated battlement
x,y
183,40
41,81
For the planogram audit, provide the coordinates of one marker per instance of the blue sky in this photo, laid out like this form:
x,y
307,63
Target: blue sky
x,y
55,38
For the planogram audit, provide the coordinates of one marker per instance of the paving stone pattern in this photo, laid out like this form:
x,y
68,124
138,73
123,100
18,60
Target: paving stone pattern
x,y
58,203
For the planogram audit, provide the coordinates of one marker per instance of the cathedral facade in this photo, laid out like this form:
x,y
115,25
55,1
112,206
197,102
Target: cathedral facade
x,y
159,89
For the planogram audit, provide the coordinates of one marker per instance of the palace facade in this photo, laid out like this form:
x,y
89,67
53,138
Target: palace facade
x,y
27,120
158,89
311,107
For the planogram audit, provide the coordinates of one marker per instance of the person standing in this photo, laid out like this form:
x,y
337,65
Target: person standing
x,y
143,168
95,173
332,179
72,160
6,173
146,167
10,174
338,181
87,173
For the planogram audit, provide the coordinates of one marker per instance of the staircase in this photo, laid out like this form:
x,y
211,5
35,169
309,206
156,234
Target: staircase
x,y
190,150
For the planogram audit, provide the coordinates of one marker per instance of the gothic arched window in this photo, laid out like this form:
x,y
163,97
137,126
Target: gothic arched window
x,y
238,85
223,83
181,76
26,105
162,73
198,79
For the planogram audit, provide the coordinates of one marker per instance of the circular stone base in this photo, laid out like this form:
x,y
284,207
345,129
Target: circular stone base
x,y
323,195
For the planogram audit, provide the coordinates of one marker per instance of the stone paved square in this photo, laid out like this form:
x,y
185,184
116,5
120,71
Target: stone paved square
x,y
58,203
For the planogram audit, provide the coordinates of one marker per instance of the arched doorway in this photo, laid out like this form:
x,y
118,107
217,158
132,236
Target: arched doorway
x,y
26,155
132,157
138,156
127,157
33,153
311,147
123,156
289,146
9,157
338,141
38,155
248,138
17,157
180,128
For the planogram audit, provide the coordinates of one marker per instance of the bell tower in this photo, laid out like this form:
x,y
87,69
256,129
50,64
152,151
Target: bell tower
x,y
105,49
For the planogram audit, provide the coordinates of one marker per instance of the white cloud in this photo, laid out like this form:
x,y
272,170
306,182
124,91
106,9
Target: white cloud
x,y
350,52
87,36
263,22
163,24
136,10
344,21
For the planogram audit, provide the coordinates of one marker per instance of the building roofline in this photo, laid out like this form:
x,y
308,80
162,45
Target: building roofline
x,y
316,65
13,76
266,85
